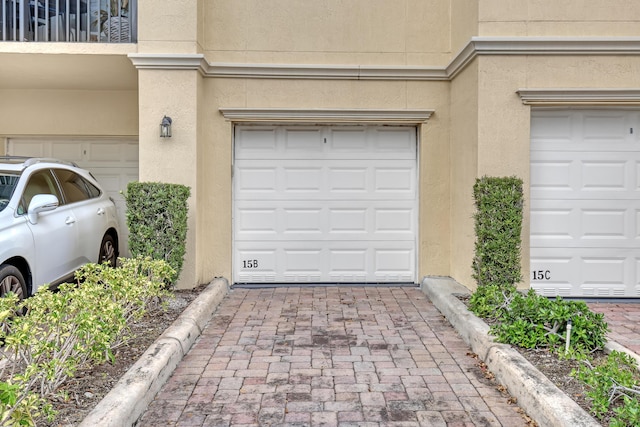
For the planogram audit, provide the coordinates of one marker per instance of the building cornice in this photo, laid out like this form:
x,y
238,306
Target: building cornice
x,y
575,96
475,47
281,115
168,61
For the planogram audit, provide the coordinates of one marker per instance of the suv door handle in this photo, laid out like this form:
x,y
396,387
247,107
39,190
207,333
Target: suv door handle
x,y
70,220
100,211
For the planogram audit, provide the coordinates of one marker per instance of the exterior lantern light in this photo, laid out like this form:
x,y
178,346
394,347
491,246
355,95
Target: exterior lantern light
x,y
165,127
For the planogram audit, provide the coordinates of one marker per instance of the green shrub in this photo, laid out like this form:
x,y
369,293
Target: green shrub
x,y
534,321
491,301
75,327
498,223
157,220
613,384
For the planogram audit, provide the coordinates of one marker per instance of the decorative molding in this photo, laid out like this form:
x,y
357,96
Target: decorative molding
x,y
575,96
475,47
168,61
556,45
541,46
276,115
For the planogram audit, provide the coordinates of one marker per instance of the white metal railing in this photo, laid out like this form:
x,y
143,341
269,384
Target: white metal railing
x,y
98,21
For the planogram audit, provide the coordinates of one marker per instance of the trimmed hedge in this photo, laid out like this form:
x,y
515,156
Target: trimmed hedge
x,y
157,220
498,224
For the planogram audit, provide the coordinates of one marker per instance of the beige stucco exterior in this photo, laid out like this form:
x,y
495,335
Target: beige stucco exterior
x,y
463,59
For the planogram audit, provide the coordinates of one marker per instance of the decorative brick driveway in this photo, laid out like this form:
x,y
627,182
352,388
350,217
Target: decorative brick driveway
x,y
624,322
329,356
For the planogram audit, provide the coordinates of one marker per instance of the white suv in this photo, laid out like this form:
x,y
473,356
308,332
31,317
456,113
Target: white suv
x,y
54,217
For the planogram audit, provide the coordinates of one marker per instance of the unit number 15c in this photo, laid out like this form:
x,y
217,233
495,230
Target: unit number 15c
x,y
541,275
250,263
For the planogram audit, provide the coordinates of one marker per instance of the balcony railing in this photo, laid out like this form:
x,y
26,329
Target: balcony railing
x,y
81,21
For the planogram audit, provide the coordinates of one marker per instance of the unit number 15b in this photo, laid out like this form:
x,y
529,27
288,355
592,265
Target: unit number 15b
x,y
541,275
250,263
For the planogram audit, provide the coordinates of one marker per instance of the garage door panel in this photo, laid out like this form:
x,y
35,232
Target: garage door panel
x,y
398,140
348,220
605,131
325,204
255,143
585,202
318,180
348,140
349,180
307,262
334,220
303,142
324,143
574,223
604,175
256,180
553,269
603,270
252,220
583,271
394,180
256,263
586,176
302,221
114,153
550,175
607,127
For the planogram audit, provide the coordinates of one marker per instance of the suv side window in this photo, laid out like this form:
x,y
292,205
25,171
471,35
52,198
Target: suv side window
x,y
75,187
41,182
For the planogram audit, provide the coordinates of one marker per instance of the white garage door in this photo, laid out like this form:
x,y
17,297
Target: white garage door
x,y
585,203
113,162
325,204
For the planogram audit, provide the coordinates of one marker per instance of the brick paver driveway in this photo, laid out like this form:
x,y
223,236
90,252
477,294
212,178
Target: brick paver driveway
x,y
329,356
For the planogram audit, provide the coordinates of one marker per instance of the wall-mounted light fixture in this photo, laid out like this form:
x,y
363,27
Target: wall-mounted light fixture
x,y
165,127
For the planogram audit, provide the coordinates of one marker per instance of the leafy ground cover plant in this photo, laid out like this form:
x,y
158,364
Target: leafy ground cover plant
x,y
72,328
613,384
535,321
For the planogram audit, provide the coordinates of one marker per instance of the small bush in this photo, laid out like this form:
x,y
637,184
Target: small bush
x,y
75,327
534,321
613,384
498,223
157,220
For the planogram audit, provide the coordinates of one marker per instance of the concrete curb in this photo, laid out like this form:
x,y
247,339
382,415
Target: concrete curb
x,y
536,394
130,397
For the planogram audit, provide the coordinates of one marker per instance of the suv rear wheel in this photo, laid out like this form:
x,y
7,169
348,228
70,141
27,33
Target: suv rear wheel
x,y
11,280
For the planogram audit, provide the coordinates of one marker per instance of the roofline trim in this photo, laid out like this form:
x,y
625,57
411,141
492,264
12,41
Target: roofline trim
x,y
475,47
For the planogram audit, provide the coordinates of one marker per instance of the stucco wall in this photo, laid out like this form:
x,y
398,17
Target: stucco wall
x,y
464,170
558,18
68,112
402,32
174,26
464,23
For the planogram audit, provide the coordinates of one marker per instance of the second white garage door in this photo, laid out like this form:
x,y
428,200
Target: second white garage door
x,y
325,204
585,203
